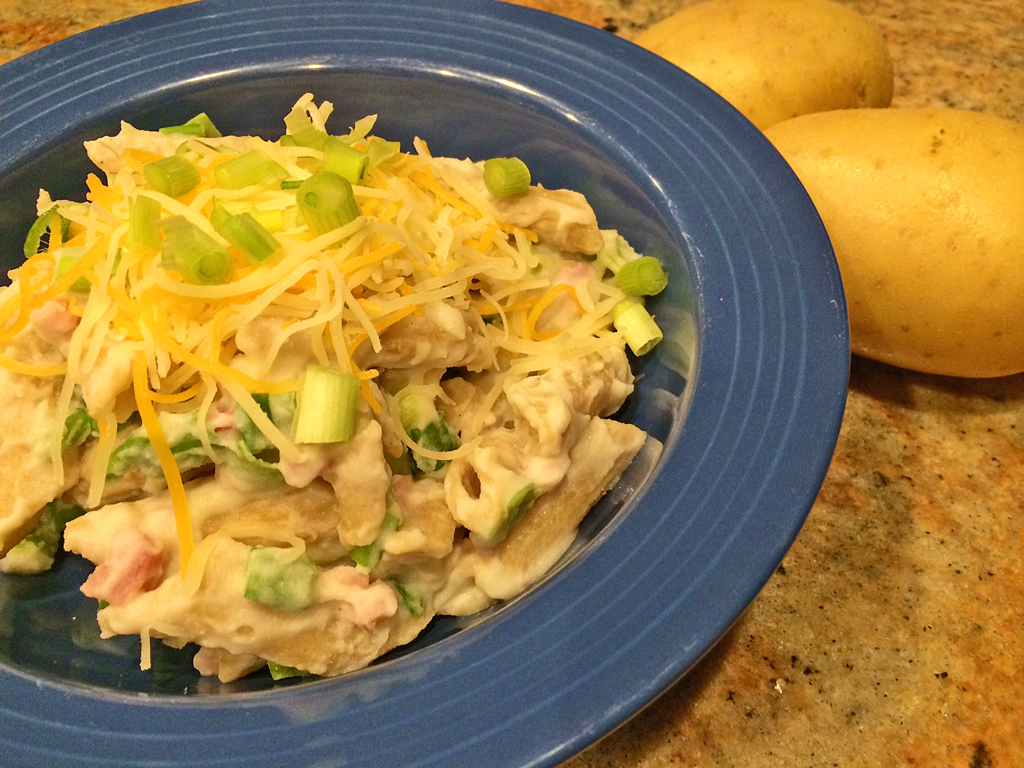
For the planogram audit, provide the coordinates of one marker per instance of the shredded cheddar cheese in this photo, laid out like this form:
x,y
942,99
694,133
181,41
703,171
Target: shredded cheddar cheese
x,y
182,517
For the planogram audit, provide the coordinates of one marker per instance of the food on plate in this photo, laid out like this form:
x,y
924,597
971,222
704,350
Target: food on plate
x,y
925,210
775,59
295,398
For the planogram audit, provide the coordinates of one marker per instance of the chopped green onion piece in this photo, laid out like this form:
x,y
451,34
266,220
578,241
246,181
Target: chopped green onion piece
x,y
210,130
326,202
200,125
506,176
297,120
309,137
368,555
41,226
325,410
291,184
426,426
379,150
127,455
277,579
35,553
643,277
263,401
415,410
281,672
615,251
245,233
68,258
172,176
198,257
77,427
412,602
347,162
188,129
143,232
253,168
362,127
635,323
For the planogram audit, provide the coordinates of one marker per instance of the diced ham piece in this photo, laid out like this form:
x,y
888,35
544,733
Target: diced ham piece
x,y
221,419
206,661
403,487
136,565
53,321
362,603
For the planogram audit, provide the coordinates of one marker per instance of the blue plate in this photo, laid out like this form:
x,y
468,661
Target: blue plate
x,y
746,392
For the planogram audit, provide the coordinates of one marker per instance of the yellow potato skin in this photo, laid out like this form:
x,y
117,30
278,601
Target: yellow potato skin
x,y
776,59
925,209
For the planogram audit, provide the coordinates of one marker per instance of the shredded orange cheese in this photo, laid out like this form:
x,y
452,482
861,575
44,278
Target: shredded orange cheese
x,y
545,302
175,486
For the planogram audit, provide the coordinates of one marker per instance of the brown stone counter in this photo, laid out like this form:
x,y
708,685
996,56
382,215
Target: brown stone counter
x,y
893,633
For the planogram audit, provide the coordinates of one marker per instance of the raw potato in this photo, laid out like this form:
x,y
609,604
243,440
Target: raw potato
x,y
776,59
925,209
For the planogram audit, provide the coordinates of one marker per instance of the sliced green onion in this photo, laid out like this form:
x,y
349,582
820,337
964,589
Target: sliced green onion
x,y
253,168
281,672
309,137
326,202
291,184
172,176
506,176
426,426
325,410
643,277
143,231
637,326
36,552
187,129
68,258
380,150
41,226
368,555
362,127
198,257
276,579
200,125
346,161
245,233
412,602
77,427
127,455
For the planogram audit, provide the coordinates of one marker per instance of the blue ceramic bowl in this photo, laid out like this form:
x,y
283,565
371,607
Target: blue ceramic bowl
x,y
746,392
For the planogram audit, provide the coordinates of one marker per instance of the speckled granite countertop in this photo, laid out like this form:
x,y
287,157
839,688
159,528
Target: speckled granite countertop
x,y
893,632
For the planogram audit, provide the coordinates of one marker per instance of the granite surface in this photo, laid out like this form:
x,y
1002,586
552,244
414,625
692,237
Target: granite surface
x,y
893,632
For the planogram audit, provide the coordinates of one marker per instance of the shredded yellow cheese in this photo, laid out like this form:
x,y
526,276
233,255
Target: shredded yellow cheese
x,y
179,500
106,424
32,369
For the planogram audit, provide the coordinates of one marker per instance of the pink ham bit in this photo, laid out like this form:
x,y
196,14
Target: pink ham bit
x,y
362,603
403,486
53,321
206,661
221,420
136,565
